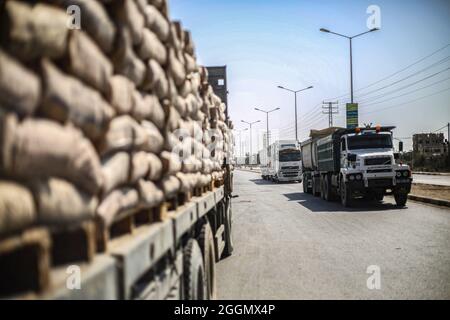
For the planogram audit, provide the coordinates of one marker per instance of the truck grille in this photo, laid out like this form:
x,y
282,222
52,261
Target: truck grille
x,y
380,183
379,170
290,168
377,161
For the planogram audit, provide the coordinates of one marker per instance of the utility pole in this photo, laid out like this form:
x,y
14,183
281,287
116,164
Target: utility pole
x,y
330,109
250,127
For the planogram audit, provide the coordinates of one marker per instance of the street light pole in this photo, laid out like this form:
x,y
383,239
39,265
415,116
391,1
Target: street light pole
x,y
295,95
250,124
267,122
351,53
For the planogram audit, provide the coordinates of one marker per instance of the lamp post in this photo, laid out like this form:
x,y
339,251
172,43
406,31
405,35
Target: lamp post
x,y
240,140
295,94
267,123
351,54
250,124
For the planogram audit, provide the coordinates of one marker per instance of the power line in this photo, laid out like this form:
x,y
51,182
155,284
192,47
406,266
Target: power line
x,y
404,94
395,73
401,104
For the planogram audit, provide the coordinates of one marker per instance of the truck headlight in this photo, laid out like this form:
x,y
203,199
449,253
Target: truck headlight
x,y
406,173
359,176
351,177
399,174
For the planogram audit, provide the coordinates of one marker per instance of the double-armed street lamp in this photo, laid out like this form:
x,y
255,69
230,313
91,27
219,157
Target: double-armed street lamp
x,y
267,122
250,126
351,54
295,94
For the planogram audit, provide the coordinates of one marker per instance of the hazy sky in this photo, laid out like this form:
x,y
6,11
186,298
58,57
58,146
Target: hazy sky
x,y
266,43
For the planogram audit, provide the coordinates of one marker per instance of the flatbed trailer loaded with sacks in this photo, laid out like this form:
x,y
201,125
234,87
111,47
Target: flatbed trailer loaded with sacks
x,y
115,181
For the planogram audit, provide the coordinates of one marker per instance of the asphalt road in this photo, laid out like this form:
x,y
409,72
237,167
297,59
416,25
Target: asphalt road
x,y
432,179
291,245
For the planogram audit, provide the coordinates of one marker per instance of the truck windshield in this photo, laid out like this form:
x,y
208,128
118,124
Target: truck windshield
x,y
375,141
290,155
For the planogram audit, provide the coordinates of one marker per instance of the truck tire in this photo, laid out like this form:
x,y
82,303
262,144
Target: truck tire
x,y
400,199
314,192
328,195
345,195
206,242
228,250
305,186
379,197
322,187
193,272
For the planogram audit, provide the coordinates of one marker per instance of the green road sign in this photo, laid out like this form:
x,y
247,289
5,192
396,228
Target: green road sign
x,y
352,115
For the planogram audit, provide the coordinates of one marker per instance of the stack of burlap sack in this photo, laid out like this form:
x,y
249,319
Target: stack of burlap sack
x,y
111,117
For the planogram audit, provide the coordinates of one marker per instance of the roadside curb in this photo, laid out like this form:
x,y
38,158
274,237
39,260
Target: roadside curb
x,y
432,173
248,170
438,202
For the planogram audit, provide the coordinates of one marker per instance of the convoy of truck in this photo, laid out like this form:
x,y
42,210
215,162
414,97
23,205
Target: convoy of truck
x,y
350,163
283,162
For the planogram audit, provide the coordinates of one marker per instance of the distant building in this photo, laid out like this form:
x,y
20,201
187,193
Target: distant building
x,y
217,78
430,144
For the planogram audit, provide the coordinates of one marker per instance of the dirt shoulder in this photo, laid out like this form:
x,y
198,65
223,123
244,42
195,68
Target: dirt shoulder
x,y
431,191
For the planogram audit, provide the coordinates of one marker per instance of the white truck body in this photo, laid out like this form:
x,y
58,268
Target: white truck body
x,y
283,162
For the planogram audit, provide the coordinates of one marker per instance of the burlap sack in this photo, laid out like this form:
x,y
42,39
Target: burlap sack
x,y
189,46
116,171
128,13
88,62
155,167
124,133
156,80
67,99
176,68
170,186
171,162
60,202
181,106
152,48
157,22
20,89
117,201
95,21
42,148
139,166
121,91
17,208
125,60
148,107
154,140
37,31
186,182
173,120
150,195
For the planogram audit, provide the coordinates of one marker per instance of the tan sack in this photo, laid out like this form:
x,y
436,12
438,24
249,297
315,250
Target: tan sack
x,y
171,162
88,62
156,79
154,140
121,91
67,99
155,167
95,20
150,195
125,60
20,89
152,48
157,22
34,32
128,13
60,202
43,148
17,209
176,68
148,107
124,133
170,186
116,202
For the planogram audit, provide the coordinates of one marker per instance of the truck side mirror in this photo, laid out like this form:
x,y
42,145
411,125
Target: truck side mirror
x,y
351,157
396,155
400,146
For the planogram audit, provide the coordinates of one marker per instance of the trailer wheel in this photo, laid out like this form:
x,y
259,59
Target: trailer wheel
x,y
206,242
400,199
345,195
193,272
327,189
322,187
305,186
314,192
228,250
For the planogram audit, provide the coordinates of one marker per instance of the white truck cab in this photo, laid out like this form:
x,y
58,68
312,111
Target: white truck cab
x,y
283,162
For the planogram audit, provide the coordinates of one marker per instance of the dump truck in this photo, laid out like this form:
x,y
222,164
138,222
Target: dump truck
x,y
115,173
283,162
350,163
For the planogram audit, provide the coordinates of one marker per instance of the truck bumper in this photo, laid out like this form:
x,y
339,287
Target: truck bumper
x,y
381,184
